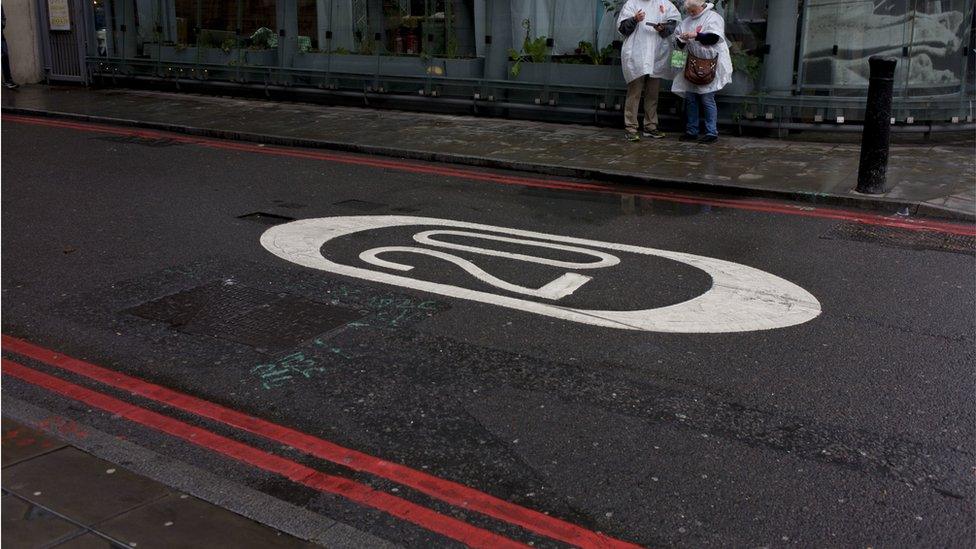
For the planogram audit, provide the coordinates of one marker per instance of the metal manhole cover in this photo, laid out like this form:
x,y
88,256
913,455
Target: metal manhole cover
x,y
282,324
903,238
204,304
245,315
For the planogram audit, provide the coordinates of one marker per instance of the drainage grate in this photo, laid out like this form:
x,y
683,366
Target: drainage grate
x,y
903,238
266,218
144,141
361,205
253,317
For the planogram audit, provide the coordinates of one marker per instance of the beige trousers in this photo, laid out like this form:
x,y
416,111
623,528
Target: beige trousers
x,y
649,86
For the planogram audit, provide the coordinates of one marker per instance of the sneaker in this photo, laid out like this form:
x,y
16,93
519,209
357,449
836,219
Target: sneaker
x,y
11,85
654,134
708,139
688,137
633,137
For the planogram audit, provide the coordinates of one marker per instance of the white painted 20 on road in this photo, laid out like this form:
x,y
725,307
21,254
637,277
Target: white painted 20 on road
x,y
741,298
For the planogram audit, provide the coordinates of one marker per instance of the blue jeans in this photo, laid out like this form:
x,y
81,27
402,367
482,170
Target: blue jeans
x,y
711,113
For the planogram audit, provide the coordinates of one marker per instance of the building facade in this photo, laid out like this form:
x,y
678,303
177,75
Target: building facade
x,y
797,62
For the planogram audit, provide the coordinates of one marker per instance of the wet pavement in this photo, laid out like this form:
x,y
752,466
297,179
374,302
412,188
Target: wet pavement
x,y
929,178
142,254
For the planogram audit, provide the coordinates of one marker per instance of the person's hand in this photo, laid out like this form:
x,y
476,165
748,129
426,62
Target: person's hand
x,y
686,36
639,16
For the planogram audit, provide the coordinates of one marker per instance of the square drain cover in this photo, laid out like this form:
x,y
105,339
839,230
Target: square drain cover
x,y
245,315
903,238
204,304
284,323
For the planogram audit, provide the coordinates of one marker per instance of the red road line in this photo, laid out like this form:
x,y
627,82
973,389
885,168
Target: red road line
x,y
447,491
296,472
751,205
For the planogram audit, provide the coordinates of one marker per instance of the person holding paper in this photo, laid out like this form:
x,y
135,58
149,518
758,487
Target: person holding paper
x,y
647,26
702,35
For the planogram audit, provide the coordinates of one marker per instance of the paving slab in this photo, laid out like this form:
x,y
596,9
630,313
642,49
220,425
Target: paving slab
x,y
25,525
87,541
66,480
183,521
67,498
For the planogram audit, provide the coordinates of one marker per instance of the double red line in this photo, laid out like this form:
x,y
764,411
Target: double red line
x,y
449,492
763,206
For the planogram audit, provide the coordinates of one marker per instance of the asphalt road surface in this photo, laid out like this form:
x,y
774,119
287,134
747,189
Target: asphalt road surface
x,y
535,361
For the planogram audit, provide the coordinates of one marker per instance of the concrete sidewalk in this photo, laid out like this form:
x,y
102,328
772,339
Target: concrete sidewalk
x,y
56,495
929,179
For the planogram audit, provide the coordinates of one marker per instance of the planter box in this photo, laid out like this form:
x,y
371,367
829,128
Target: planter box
x,y
261,58
389,65
741,84
172,54
194,55
311,61
214,56
384,65
463,68
564,74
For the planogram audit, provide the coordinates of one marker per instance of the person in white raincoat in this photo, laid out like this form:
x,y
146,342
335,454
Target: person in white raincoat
x,y
645,57
702,34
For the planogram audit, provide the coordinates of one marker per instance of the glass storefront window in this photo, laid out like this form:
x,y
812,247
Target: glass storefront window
x,y
309,37
101,16
410,28
939,37
333,26
110,17
806,60
436,28
745,29
218,25
566,22
258,22
927,36
210,32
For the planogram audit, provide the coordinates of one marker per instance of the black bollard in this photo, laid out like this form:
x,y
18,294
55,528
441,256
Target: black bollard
x,y
876,139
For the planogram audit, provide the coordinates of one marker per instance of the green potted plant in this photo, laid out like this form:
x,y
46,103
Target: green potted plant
x,y
533,50
587,66
746,70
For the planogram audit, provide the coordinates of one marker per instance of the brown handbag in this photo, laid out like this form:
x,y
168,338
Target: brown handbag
x,y
700,71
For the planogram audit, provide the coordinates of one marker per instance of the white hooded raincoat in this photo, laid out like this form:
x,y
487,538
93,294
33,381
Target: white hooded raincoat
x,y
645,52
708,21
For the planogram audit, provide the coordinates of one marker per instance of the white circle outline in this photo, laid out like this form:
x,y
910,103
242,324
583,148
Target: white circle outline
x,y
741,298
